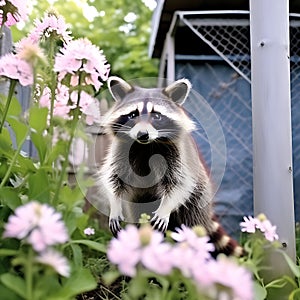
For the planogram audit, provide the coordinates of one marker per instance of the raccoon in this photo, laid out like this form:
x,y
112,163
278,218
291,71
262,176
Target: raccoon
x,y
153,165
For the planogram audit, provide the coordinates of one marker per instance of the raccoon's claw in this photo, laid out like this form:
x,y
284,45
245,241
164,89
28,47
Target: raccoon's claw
x,y
114,226
160,224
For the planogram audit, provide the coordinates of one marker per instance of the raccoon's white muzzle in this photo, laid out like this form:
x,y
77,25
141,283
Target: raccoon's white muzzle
x,y
143,133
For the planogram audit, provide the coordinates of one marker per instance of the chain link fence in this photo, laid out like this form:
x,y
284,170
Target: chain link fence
x,y
224,79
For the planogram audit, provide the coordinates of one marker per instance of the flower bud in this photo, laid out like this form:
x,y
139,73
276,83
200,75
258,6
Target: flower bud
x,y
262,217
145,233
200,231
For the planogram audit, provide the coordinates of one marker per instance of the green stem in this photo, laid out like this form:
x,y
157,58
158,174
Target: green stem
x,y
13,161
29,276
66,159
53,83
9,97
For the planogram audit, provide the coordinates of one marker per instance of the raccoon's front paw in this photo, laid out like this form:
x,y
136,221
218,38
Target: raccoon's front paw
x,y
115,226
159,223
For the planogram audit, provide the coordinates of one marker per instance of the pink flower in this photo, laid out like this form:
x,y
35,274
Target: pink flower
x,y
89,231
64,103
13,11
39,224
249,225
50,25
145,246
13,67
29,51
81,56
261,223
226,272
269,230
61,103
183,258
124,251
155,254
55,260
89,106
200,244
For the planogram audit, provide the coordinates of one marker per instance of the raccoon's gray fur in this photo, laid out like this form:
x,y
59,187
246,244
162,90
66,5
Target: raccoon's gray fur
x,y
153,165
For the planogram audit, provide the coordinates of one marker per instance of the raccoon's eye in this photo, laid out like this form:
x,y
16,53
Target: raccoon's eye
x,y
132,115
156,116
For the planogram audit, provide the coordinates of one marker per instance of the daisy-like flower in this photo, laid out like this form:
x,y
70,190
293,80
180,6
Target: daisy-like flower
x,y
124,251
226,273
55,260
29,51
50,25
13,67
82,58
145,246
12,11
39,224
261,223
249,225
155,254
269,230
89,231
200,244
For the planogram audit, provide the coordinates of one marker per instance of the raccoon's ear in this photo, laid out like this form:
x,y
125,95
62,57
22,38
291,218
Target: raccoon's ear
x,y
118,87
178,90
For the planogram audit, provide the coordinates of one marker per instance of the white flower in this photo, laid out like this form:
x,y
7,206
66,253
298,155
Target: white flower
x,y
89,231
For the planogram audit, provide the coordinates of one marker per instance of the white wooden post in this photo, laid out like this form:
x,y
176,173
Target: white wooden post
x,y
271,113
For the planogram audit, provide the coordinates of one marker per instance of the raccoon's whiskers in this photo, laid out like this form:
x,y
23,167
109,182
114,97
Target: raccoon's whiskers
x,y
118,125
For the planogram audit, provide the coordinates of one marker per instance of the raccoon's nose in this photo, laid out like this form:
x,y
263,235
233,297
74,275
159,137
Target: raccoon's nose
x,y
142,136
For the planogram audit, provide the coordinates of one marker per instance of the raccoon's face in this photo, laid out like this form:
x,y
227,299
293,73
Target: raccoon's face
x,y
147,115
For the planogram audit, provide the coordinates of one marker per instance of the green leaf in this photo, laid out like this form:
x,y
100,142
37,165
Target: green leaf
x,y
77,255
91,244
39,187
110,277
14,283
38,118
5,140
7,293
10,197
40,144
295,295
294,268
8,252
80,281
138,286
20,129
15,108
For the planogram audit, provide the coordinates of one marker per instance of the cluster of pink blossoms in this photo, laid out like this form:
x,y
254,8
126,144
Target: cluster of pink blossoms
x,y
41,227
49,25
14,67
79,62
145,247
261,223
65,102
81,57
12,11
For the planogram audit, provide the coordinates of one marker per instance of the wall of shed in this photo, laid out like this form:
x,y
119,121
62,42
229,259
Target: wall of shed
x,y
229,95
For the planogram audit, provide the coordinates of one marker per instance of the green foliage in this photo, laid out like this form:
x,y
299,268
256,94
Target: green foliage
x,y
259,258
43,179
125,44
